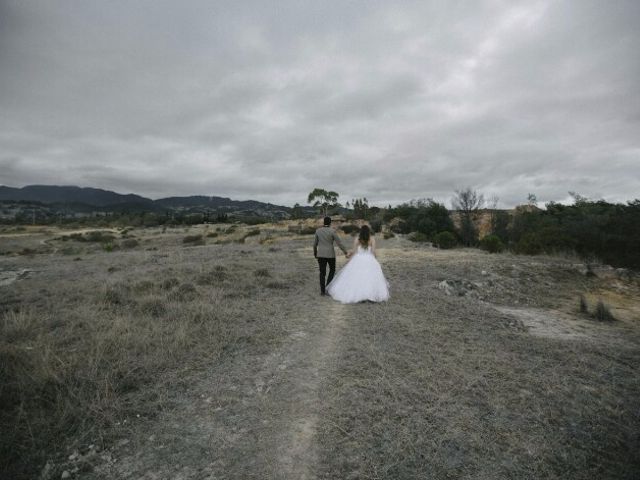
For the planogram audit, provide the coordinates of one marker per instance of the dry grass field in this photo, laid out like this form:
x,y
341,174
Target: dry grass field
x,y
207,353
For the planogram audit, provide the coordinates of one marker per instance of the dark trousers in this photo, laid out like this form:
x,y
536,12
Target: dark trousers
x,y
322,262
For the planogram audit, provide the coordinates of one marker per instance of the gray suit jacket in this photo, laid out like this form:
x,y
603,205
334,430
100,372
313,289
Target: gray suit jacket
x,y
323,245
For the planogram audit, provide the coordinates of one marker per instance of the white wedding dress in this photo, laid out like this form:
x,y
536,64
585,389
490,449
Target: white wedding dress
x,y
360,279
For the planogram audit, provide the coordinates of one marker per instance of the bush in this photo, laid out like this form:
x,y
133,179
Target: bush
x,y
388,235
129,243
376,226
492,244
350,229
155,307
445,240
217,275
401,227
253,232
193,240
117,294
418,237
307,231
425,216
584,307
99,236
603,313
529,244
255,220
610,232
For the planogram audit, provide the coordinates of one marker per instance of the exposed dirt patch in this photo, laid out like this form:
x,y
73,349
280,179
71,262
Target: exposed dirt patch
x,y
548,323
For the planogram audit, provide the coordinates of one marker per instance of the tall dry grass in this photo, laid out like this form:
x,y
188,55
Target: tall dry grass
x,y
105,350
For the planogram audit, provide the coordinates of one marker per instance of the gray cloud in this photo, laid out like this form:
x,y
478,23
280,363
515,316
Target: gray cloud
x,y
388,100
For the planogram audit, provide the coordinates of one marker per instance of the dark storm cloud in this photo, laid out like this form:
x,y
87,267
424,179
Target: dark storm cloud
x,y
388,100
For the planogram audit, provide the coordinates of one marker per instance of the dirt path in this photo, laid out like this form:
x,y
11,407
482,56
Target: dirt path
x,y
311,363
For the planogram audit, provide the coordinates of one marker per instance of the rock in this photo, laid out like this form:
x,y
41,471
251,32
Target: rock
x,y
444,285
65,474
456,287
46,472
74,456
484,273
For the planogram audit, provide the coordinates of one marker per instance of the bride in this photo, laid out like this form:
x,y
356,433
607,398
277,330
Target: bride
x,y
361,278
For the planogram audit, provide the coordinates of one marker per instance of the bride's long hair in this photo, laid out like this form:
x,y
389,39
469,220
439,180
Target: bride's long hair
x,y
365,235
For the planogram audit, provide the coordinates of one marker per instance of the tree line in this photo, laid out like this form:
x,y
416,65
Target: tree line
x,y
596,229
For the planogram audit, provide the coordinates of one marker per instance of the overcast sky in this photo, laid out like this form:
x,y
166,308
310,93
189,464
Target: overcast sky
x,y
266,100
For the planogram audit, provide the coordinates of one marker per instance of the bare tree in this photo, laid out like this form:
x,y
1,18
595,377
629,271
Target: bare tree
x,y
468,202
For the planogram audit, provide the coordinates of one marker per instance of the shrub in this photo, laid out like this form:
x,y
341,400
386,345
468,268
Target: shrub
x,y
388,235
529,244
253,232
117,294
603,313
218,274
584,307
400,227
492,244
193,240
418,237
350,229
424,215
212,234
445,240
376,226
129,243
98,236
307,230
255,220
155,307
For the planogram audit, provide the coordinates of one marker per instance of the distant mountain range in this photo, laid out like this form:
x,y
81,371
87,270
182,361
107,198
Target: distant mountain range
x,y
80,198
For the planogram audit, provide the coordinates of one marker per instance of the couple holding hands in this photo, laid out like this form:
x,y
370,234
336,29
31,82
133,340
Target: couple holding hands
x,y
361,279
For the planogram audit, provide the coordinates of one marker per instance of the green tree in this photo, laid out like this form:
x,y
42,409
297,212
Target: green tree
x,y
425,216
323,200
360,207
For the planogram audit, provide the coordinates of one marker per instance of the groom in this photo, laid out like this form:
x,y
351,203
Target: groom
x,y
324,252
